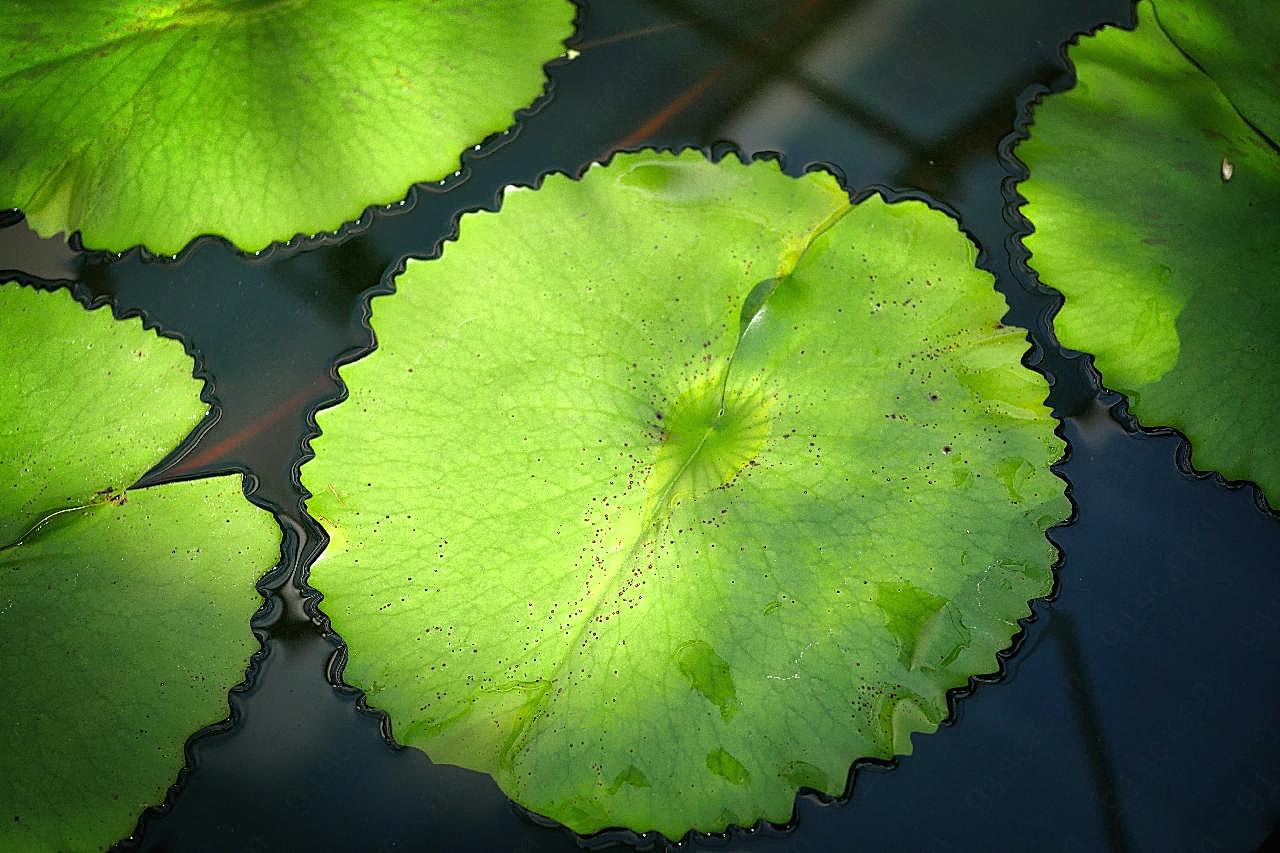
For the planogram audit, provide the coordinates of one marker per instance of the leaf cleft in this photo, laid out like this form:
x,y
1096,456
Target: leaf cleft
x,y
1187,54
102,498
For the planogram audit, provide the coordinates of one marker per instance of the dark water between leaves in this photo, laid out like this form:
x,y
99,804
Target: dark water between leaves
x,y
1139,712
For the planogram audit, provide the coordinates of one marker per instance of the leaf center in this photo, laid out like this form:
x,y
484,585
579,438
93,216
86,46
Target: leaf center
x,y
710,434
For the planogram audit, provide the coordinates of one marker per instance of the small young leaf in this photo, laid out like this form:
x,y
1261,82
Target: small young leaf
x,y
648,501
123,613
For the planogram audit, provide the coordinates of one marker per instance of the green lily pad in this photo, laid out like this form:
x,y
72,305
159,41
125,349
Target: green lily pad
x,y
1155,195
674,489
124,613
151,123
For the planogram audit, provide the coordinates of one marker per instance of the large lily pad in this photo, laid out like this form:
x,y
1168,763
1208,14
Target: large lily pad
x,y
124,613
141,122
1155,195
677,488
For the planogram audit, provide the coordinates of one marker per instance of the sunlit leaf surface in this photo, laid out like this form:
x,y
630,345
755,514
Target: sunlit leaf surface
x,y
675,489
124,613
1155,195
142,122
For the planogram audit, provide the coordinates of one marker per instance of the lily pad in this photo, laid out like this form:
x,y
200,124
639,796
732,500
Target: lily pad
x,y
151,123
124,613
1155,193
673,489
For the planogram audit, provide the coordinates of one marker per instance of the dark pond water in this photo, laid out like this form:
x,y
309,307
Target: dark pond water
x,y
1139,713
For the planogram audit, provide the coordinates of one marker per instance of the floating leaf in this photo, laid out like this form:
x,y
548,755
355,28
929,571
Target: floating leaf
x,y
673,489
124,613
152,123
1155,194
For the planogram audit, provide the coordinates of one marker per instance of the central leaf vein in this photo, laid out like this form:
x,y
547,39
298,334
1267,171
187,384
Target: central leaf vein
x,y
740,424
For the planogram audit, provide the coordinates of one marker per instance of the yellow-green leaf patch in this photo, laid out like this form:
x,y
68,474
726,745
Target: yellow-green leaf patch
x,y
674,488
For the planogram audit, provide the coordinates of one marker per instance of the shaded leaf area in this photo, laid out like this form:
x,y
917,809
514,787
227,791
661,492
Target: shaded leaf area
x,y
677,488
152,123
123,613
1155,194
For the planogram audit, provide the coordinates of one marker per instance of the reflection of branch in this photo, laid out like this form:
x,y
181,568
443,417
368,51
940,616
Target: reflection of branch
x,y
772,55
630,35
673,107
1089,720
